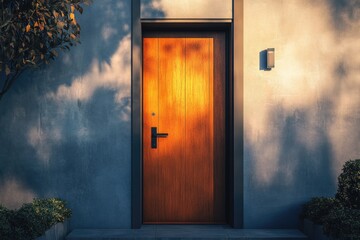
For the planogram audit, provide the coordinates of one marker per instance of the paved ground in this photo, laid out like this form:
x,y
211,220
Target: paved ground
x,y
185,232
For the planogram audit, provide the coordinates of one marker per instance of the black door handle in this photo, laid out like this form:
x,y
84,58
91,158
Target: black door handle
x,y
155,135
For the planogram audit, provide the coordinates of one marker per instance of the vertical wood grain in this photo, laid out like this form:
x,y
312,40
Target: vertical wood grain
x,y
199,159
172,121
184,85
150,106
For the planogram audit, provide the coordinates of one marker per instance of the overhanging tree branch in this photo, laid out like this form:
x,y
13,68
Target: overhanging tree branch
x,y
9,82
31,32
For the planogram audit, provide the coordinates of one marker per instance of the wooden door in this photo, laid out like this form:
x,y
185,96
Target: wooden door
x,y
184,96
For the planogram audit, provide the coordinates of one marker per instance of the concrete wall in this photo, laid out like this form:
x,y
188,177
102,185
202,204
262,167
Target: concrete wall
x,y
301,118
201,9
65,128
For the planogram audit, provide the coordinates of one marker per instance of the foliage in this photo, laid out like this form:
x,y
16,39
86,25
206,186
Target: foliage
x,y
5,226
31,31
349,185
340,215
32,219
318,208
343,223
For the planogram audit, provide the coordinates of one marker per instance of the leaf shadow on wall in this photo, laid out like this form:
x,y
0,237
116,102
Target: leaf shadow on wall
x,y
67,125
302,147
302,169
344,13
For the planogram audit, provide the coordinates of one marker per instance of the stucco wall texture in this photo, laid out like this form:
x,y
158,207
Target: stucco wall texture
x,y
66,127
302,118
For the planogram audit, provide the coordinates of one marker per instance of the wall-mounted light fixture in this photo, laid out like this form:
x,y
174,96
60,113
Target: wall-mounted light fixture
x,y
270,58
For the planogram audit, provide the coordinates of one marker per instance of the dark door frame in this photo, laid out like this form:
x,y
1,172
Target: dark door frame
x,y
234,31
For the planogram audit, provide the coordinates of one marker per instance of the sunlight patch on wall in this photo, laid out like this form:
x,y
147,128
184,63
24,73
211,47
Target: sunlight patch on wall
x,y
42,141
68,100
186,9
13,194
309,102
113,75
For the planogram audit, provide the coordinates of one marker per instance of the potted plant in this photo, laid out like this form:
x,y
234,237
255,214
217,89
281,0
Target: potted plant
x,y
339,217
343,223
348,192
33,220
315,213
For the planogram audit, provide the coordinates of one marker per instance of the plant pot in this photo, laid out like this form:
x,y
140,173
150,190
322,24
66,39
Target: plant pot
x,y
56,232
308,228
314,231
319,233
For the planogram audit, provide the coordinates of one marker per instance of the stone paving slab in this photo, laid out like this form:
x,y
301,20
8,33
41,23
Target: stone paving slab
x,y
177,232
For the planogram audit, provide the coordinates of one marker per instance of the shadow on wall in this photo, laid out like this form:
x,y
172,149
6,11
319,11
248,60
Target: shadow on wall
x,y
302,118
186,9
345,13
346,91
151,9
66,127
301,170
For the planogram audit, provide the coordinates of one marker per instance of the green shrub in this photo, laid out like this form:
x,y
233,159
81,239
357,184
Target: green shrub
x,y
343,223
340,215
33,219
348,191
5,226
53,210
318,208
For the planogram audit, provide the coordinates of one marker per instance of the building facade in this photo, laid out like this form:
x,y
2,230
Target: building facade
x,y
73,129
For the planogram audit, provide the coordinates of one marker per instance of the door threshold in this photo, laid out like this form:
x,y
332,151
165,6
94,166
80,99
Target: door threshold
x,y
186,232
186,226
